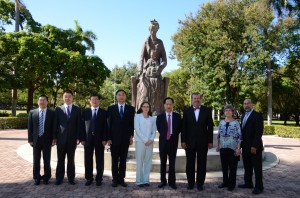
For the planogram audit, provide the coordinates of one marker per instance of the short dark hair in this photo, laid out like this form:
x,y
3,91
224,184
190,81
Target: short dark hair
x,y
196,94
95,95
168,98
68,91
140,109
43,95
121,90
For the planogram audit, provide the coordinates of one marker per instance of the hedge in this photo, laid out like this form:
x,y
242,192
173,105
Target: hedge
x,y
269,130
287,131
13,123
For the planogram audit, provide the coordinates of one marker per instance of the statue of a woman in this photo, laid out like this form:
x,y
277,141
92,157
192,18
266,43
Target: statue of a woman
x,y
153,60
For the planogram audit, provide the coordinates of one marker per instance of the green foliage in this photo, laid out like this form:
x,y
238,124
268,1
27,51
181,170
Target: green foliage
x,y
13,123
216,123
269,130
4,114
287,131
22,115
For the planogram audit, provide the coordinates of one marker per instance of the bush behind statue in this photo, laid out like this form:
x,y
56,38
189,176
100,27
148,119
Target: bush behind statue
x,y
282,131
13,123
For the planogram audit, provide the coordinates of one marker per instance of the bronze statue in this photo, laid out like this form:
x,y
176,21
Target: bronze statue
x,y
149,85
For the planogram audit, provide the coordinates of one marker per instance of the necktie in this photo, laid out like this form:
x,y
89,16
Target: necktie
x,y
169,127
245,118
68,112
94,121
41,123
121,112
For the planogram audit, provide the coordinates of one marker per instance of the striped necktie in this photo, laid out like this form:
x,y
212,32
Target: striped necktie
x,y
41,123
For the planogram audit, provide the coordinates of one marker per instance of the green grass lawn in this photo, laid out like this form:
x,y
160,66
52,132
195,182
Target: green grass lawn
x,y
280,122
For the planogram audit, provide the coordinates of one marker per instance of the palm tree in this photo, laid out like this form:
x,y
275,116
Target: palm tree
x,y
87,37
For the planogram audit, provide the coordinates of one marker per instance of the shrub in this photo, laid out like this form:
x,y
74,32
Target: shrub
x,y
216,122
269,130
287,131
13,123
4,114
22,115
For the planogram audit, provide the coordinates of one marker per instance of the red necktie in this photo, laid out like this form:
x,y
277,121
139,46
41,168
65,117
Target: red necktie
x,y
169,127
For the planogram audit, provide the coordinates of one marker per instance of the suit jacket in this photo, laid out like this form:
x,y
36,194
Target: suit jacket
x,y
67,130
100,126
252,132
197,133
33,126
162,128
120,130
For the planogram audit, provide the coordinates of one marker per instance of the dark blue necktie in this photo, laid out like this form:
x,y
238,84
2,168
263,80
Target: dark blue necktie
x,y
121,112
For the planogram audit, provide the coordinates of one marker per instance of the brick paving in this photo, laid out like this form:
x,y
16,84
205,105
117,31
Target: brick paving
x,y
283,180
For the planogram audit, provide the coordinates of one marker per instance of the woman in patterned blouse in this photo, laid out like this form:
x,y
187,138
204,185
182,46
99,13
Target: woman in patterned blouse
x,y
229,141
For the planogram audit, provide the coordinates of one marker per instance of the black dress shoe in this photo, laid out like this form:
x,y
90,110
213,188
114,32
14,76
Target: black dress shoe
x,y
222,185
37,182
72,182
123,184
190,187
230,188
256,191
88,182
114,184
245,186
162,184
173,186
140,185
46,182
98,183
200,188
58,182
146,184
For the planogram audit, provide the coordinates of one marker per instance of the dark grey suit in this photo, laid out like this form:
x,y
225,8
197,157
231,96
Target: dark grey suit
x,y
67,132
197,135
93,141
41,144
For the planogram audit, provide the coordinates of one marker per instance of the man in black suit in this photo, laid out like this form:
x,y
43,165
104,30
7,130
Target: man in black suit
x,y
169,126
196,138
120,134
67,135
95,130
252,147
40,127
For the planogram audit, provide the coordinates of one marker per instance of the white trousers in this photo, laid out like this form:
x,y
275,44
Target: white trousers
x,y
143,155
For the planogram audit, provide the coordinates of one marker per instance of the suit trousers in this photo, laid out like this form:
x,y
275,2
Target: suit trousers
x,y
63,150
88,159
229,162
37,150
251,162
118,161
164,154
143,155
201,165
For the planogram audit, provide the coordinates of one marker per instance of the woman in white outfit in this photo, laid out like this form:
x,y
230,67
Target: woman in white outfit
x,y
145,129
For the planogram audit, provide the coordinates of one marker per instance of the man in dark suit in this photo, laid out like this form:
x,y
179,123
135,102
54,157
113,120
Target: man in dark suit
x,y
196,138
67,135
169,126
95,130
120,134
40,127
252,147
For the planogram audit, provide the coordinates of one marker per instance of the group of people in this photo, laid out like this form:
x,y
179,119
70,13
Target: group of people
x,y
67,126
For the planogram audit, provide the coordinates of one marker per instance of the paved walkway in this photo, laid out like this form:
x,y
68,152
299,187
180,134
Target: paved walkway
x,y
282,180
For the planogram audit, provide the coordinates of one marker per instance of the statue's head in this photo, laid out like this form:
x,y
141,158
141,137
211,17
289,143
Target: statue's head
x,y
153,26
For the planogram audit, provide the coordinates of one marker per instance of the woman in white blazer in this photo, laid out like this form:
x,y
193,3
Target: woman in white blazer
x,y
145,129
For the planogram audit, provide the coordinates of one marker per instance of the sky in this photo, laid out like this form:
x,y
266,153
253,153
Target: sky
x,y
120,25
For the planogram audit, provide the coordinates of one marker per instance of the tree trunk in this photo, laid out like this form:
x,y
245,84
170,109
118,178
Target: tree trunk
x,y
269,76
297,120
14,90
30,96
